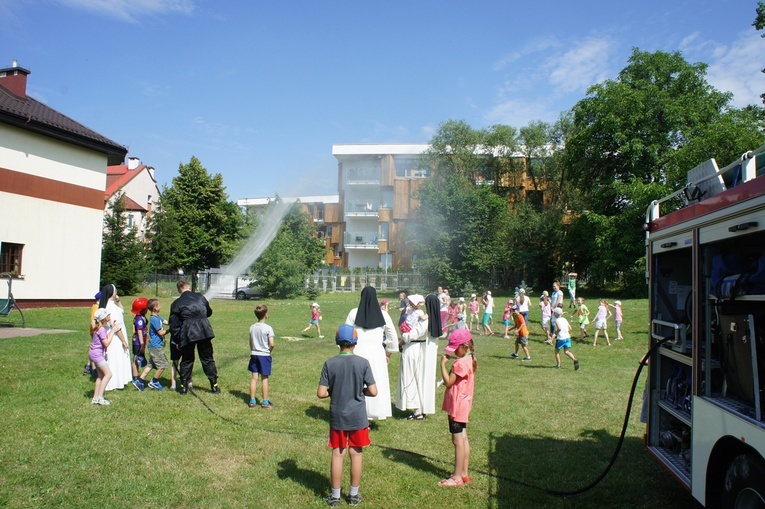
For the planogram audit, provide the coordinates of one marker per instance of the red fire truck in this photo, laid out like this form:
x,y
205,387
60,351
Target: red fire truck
x,y
706,388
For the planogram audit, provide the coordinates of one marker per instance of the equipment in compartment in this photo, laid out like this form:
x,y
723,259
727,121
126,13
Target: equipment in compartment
x,y
743,358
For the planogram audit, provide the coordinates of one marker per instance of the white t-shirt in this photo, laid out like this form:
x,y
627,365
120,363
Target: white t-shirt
x,y
489,304
563,328
260,332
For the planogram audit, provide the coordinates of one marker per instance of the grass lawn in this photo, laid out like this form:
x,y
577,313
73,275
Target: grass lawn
x,y
532,428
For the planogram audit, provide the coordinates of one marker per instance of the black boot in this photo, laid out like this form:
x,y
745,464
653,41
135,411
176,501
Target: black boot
x,y
184,386
214,386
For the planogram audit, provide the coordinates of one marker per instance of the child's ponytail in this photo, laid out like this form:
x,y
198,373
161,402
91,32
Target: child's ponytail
x,y
472,352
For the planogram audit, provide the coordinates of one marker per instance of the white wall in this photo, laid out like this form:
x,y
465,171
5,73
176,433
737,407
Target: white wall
x,y
62,242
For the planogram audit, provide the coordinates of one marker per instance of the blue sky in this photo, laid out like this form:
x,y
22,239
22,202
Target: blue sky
x,y
259,90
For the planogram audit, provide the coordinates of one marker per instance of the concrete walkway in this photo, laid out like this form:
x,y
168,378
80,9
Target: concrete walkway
x,y
18,332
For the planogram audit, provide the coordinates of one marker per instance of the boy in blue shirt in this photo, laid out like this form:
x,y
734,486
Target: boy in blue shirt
x,y
157,359
346,379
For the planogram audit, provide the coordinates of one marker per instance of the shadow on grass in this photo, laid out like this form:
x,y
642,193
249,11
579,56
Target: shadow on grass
x,y
317,412
289,470
244,396
413,460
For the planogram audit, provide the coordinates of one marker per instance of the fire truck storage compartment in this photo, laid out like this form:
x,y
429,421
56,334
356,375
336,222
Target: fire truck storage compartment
x,y
672,296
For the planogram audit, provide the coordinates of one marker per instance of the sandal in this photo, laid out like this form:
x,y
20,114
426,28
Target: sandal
x,y
415,417
451,482
466,479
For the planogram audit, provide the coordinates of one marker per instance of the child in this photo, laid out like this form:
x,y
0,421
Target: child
x,y
139,340
546,308
157,358
522,340
506,317
261,346
90,368
473,307
563,338
601,321
346,379
458,401
617,305
315,317
98,346
415,315
451,314
384,305
583,312
461,306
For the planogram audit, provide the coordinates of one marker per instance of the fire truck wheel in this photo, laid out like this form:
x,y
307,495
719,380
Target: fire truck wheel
x,y
744,483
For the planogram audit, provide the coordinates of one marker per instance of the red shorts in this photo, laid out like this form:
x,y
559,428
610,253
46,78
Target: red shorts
x,y
339,439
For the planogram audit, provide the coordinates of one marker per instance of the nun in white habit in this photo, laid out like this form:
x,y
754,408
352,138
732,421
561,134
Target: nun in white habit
x,y
371,324
419,356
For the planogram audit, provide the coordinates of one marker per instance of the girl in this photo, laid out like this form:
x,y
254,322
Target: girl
x,y
473,307
584,318
415,315
506,317
617,305
458,401
315,317
546,308
601,320
451,314
101,340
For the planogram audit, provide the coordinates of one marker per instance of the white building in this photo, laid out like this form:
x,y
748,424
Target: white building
x,y
52,182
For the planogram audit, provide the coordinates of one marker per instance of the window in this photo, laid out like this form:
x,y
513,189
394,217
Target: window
x,y
10,258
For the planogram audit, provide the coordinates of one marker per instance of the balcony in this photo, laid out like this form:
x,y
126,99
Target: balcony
x,y
362,177
361,240
362,208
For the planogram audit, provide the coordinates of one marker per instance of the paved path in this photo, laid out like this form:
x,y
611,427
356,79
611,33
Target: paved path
x,y
18,332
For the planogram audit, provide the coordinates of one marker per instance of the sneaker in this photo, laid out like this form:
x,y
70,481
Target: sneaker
x,y
156,385
86,371
139,384
321,337
332,501
526,359
354,499
215,389
514,355
556,367
267,404
576,365
507,337
103,401
253,402
95,401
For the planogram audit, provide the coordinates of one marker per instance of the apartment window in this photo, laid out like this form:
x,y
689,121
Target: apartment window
x,y
384,227
10,258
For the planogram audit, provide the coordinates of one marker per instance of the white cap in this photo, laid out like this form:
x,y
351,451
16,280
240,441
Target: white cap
x,y
558,311
488,292
617,303
315,305
416,299
462,299
522,290
100,314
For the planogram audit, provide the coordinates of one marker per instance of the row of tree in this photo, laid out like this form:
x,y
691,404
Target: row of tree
x,y
629,141
593,173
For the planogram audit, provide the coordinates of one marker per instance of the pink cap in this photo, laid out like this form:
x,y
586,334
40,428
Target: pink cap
x,y
457,338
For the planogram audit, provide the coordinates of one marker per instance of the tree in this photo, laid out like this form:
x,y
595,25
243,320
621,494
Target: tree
x,y
759,24
633,140
195,226
123,260
294,252
535,142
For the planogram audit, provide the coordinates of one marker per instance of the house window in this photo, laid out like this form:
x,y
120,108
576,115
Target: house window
x,y
10,258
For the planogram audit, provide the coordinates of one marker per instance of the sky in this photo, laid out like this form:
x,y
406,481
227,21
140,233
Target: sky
x,y
259,91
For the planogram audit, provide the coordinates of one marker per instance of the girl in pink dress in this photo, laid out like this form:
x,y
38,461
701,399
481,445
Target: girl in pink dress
x,y
458,401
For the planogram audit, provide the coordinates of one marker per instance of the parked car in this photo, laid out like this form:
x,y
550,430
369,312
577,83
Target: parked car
x,y
248,292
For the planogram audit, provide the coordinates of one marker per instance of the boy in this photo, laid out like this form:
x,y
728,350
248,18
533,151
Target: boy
x,y
261,346
139,340
563,338
346,379
523,334
157,359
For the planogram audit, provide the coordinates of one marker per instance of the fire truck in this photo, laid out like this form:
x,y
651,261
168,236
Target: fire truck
x,y
705,268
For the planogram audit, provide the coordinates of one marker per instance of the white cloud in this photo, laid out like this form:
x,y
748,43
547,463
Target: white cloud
x,y
519,112
583,65
130,10
535,46
736,68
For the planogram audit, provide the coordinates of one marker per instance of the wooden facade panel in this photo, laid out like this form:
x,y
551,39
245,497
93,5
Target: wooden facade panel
x,y
401,199
388,170
332,213
385,215
382,246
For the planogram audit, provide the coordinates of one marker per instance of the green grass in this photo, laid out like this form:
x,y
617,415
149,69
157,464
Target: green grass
x,y
532,428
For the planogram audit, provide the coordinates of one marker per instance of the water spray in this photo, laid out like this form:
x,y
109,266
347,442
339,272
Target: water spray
x,y
259,240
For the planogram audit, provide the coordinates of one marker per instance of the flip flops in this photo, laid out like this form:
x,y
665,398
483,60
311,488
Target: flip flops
x,y
451,482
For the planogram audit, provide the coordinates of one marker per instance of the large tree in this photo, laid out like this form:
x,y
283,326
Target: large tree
x,y
195,225
633,140
759,24
123,255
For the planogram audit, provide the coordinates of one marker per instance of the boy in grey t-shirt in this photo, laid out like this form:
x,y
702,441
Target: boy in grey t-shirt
x,y
347,379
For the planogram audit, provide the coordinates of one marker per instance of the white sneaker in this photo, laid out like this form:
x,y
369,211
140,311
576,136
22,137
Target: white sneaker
x,y
104,402
526,359
321,337
95,401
